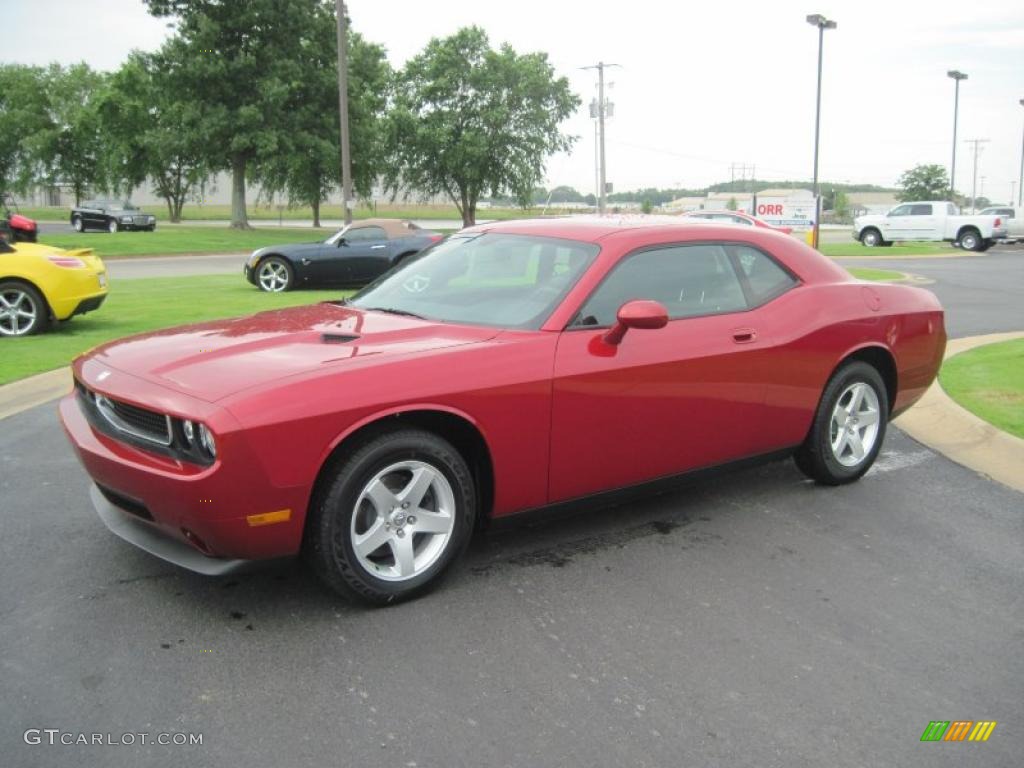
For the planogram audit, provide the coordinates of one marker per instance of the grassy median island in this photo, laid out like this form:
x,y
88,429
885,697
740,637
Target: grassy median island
x,y
879,275
853,250
989,382
180,239
134,306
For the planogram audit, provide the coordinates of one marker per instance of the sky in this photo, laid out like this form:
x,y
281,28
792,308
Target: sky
x,y
701,86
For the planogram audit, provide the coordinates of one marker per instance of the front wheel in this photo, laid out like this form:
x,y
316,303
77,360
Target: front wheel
x,y
274,275
871,238
22,310
848,428
393,517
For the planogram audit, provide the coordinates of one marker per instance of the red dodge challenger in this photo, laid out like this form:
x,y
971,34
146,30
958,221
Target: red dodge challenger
x,y
515,366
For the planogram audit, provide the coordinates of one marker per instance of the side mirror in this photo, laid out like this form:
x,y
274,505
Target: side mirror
x,y
637,314
342,241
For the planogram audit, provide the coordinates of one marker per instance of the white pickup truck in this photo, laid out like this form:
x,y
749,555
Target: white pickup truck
x,y
930,220
1013,217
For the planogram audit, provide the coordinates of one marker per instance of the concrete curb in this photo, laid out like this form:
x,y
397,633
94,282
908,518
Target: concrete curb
x,y
936,420
35,390
943,425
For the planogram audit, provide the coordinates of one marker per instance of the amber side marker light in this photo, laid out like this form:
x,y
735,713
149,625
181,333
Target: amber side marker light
x,y
269,518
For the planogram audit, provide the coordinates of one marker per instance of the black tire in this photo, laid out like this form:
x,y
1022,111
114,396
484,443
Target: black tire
x,y
77,224
276,263
112,226
27,298
970,240
871,238
151,228
329,547
815,457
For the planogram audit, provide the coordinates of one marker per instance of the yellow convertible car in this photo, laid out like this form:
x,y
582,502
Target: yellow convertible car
x,y
42,283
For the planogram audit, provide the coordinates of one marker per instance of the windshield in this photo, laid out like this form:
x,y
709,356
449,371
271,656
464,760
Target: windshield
x,y
509,281
122,207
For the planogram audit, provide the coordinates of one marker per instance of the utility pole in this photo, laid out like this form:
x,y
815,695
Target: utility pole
x,y
1020,182
1012,185
819,21
974,185
957,77
346,160
602,112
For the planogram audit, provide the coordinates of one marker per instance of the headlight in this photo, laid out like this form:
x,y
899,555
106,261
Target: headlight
x,y
126,219
190,432
206,440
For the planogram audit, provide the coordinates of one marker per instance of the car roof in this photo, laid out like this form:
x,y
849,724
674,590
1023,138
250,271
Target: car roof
x,y
592,228
392,227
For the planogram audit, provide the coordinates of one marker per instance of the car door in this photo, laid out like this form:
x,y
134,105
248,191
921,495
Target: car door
x,y
897,224
368,254
661,401
340,261
924,223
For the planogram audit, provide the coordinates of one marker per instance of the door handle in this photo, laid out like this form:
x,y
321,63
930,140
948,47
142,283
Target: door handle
x,y
377,247
744,335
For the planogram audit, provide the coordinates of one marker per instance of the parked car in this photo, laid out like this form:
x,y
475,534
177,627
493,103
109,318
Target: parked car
x,y
41,283
515,366
18,228
736,217
111,215
1012,217
354,255
930,221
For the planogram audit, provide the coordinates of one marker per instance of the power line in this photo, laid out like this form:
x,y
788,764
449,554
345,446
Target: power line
x,y
602,110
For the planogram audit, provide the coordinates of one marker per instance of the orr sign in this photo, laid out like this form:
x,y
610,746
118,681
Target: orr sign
x,y
785,211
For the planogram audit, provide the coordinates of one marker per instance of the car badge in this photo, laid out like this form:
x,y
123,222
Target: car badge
x,y
103,375
417,284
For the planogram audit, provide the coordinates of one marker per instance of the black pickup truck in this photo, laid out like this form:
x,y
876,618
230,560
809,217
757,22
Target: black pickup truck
x,y
111,215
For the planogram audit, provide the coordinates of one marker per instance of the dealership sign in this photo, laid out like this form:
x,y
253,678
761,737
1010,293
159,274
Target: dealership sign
x,y
786,211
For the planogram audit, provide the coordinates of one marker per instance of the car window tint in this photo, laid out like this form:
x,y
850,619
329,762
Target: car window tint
x,y
359,234
765,279
903,210
950,209
921,209
689,280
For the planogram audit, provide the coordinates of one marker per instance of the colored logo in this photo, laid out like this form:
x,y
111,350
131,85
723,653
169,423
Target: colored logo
x,y
958,730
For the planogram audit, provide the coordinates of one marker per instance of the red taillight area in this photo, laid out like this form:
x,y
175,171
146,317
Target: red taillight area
x,y
436,238
69,262
998,221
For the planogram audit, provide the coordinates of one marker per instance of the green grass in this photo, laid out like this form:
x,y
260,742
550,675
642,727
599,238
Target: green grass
x,y
856,250
879,275
181,239
989,382
273,213
134,306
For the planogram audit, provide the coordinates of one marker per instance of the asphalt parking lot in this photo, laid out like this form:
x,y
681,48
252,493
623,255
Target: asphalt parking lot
x,y
753,620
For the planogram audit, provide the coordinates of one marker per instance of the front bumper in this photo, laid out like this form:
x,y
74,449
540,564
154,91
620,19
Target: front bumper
x,y
249,272
170,507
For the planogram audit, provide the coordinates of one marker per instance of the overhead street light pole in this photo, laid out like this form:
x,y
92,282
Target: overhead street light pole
x,y
957,76
346,159
1020,181
819,21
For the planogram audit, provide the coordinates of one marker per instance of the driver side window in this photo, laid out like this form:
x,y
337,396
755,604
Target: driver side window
x,y
689,280
363,234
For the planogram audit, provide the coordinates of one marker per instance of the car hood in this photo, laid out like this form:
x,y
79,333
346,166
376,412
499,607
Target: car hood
x,y
214,360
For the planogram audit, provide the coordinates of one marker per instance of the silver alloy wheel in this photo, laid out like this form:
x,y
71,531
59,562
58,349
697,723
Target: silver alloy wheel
x,y
77,224
273,276
403,520
112,226
17,313
871,239
969,242
854,427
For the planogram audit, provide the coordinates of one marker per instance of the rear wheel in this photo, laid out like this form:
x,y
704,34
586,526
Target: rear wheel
x,y
395,514
112,226
971,240
275,274
22,310
848,428
76,223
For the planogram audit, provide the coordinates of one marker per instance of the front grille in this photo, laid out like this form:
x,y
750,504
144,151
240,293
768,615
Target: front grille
x,y
140,422
131,506
140,220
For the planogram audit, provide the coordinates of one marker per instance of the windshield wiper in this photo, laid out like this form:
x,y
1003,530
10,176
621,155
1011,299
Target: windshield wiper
x,y
393,311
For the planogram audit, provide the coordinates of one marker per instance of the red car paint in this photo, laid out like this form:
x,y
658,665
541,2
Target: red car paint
x,y
562,413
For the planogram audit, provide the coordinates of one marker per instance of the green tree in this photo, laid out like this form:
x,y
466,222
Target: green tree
x,y
468,119
923,182
309,167
153,133
22,99
732,205
841,205
68,147
646,206
239,61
